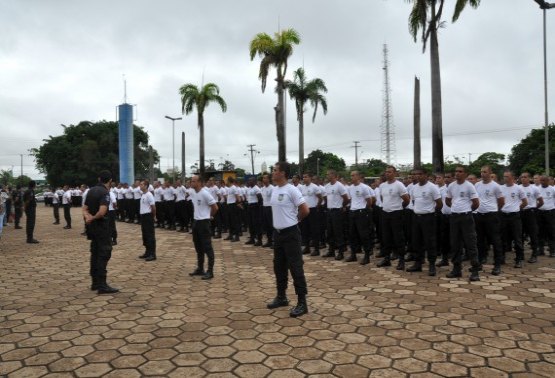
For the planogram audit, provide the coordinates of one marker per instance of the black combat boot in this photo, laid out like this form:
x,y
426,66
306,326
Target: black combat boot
x,y
366,259
351,258
474,274
279,301
456,272
416,267
104,288
385,262
197,272
94,285
316,252
300,309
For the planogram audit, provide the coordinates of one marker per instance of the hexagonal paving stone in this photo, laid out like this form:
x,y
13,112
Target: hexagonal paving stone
x,y
250,356
216,365
93,370
156,367
315,366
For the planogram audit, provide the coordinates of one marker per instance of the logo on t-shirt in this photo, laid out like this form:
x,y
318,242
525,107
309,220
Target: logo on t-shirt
x,y
280,197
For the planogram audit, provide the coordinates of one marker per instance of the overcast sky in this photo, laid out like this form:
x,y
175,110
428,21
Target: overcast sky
x,y
62,62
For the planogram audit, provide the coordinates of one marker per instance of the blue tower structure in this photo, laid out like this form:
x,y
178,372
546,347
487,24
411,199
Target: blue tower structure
x,y
126,145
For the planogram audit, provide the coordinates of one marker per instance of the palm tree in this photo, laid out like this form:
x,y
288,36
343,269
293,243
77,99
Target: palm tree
x,y
192,98
425,17
274,53
302,91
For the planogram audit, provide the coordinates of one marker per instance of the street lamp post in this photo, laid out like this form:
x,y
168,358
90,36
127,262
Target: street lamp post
x,y
173,142
318,167
544,5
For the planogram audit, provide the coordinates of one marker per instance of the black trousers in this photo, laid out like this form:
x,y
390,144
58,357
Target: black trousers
x,y
529,219
443,238
31,214
222,214
488,231
101,247
407,228
376,220
202,240
234,219
18,214
169,213
120,211
512,234
180,211
112,220
336,232
423,233
310,229
546,221
361,231
462,230
254,220
323,223
288,257
189,212
159,213
147,230
393,239
56,212
67,214
129,209
267,222
137,208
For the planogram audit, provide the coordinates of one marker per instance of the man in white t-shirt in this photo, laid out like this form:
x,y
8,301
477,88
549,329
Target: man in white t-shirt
x,y
394,198
426,203
546,218
488,222
529,214
205,207
169,205
234,208
361,230
180,206
288,209
443,241
67,203
463,199
310,226
515,200
336,201
267,224
147,211
254,199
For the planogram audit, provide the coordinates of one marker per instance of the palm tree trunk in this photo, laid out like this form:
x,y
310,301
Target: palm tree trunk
x,y
201,143
417,155
437,128
301,141
280,120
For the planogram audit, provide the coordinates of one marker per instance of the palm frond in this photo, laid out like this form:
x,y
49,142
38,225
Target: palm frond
x,y
461,4
265,65
261,45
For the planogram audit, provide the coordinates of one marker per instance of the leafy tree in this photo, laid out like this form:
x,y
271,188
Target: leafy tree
x,y
6,177
319,162
425,18
226,166
191,98
274,53
372,167
23,181
529,154
493,159
303,91
83,150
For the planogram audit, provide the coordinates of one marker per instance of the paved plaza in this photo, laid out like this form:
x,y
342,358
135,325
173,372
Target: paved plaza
x,y
363,321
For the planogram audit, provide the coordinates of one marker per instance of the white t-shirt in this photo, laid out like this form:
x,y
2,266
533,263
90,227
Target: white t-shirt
x,y
213,190
119,192
532,195
285,202
423,198
137,193
128,193
66,199
159,194
202,202
252,194
359,194
391,195
113,201
488,194
461,196
223,194
410,206
147,200
334,194
188,193
266,194
232,192
310,193
513,198
378,196
548,195
180,193
169,194
443,192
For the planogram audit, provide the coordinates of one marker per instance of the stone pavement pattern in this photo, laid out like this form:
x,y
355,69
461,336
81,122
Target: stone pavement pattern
x,y
363,321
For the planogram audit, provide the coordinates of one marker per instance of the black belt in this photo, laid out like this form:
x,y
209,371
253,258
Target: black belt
x,y
531,209
514,213
334,209
489,213
460,214
287,229
424,215
359,210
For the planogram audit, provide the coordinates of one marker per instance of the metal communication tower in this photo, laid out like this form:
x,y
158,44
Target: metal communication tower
x,y
387,129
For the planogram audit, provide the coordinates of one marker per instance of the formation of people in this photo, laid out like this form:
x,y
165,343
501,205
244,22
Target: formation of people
x,y
438,220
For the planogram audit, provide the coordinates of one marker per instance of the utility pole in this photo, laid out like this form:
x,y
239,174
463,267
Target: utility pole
x,y
417,147
173,119
252,151
356,147
21,156
183,175
150,164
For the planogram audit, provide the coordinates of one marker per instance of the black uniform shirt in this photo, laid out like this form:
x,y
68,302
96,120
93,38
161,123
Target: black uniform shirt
x,y
29,198
97,196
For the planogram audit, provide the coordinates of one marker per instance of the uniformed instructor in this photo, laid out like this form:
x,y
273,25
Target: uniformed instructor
x,y
95,212
288,209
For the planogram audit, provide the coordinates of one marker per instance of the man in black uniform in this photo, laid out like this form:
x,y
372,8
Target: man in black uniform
x,y
95,211
30,205
17,199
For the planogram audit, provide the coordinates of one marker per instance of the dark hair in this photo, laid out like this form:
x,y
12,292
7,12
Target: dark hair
x,y
32,184
307,173
391,167
105,176
147,183
230,179
284,167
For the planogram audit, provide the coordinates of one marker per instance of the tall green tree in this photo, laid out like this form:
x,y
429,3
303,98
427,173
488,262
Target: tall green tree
x,y
191,98
302,91
275,52
83,150
318,162
528,154
425,19
495,161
